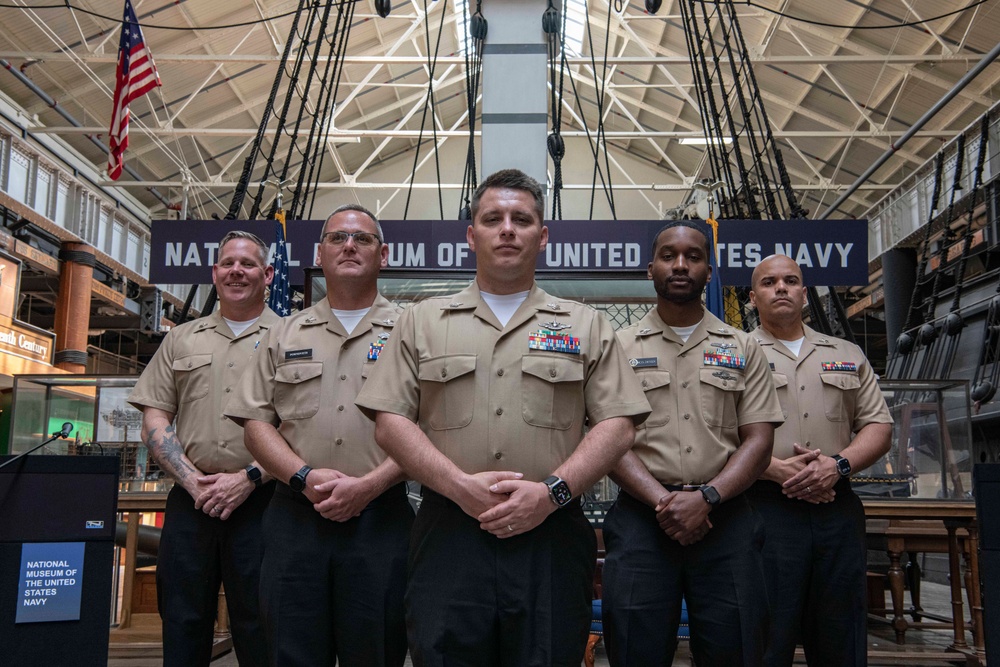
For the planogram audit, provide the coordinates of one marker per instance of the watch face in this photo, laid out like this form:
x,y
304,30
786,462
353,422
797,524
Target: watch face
x,y
843,467
561,493
712,496
253,473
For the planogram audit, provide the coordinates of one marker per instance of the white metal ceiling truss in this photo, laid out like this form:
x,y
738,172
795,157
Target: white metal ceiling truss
x,y
838,97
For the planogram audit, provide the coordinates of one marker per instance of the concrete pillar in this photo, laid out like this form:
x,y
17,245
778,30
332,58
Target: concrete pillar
x,y
73,306
899,279
515,95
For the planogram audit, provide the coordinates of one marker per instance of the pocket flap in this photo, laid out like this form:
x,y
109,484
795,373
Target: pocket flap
x,y
653,379
780,380
840,380
553,369
727,379
191,362
300,372
449,367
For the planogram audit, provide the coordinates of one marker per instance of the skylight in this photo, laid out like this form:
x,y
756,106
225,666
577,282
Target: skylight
x,y
575,25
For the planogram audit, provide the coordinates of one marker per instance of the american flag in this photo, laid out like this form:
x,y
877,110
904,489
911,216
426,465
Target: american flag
x,y
136,76
280,299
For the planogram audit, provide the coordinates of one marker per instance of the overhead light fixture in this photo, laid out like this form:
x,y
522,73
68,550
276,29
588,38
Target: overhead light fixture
x,y
704,141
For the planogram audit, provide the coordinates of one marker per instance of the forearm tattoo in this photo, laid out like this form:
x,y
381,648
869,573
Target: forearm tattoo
x,y
169,453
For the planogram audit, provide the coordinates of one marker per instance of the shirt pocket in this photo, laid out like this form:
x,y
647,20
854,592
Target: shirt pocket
x,y
552,391
448,390
840,391
720,391
193,375
656,385
297,389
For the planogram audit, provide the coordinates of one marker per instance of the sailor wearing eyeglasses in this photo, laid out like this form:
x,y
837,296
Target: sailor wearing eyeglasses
x,y
336,532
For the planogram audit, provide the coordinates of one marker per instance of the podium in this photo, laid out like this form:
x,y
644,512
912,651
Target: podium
x,y
57,527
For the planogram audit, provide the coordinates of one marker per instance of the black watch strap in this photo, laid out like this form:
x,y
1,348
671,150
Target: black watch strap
x,y
298,480
254,475
711,496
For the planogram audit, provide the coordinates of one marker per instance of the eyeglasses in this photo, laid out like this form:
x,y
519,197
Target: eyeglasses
x,y
363,239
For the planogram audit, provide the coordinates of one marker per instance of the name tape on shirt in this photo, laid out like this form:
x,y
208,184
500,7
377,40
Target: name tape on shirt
x,y
550,341
643,362
299,354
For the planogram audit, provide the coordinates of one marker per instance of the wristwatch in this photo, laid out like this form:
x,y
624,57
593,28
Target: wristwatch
x,y
254,475
558,491
298,480
711,496
843,465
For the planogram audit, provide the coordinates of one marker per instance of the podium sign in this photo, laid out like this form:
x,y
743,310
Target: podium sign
x,y
51,582
57,522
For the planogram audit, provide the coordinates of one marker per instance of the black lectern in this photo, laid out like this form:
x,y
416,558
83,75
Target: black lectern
x,y
57,527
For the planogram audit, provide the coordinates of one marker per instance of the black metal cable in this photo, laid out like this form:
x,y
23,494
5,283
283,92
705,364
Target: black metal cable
x,y
602,141
248,164
429,104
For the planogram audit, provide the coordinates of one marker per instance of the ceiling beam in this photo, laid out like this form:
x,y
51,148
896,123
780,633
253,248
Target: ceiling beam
x,y
379,60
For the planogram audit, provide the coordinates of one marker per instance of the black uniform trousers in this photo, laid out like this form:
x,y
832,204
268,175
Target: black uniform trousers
x,y
197,552
646,574
815,560
333,591
474,600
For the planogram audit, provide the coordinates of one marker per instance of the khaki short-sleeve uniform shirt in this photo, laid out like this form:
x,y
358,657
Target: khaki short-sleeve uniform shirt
x,y
504,398
827,393
304,379
701,391
192,374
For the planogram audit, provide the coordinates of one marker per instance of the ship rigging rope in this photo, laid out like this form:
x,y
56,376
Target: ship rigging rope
x,y
431,105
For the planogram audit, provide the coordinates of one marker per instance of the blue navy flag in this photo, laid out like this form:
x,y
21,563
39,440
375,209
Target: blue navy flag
x,y
280,300
713,295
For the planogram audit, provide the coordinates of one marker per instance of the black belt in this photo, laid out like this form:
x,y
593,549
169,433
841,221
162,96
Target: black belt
x,y
682,487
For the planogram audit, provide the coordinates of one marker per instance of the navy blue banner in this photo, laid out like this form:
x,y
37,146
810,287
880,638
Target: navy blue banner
x,y
830,252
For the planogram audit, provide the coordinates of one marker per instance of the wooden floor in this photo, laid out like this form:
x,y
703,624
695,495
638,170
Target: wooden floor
x,y
923,647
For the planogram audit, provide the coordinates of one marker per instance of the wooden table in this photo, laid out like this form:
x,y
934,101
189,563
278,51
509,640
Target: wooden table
x,y
132,505
954,516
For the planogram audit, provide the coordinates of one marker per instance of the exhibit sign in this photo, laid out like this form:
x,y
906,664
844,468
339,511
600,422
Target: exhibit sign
x,y
51,583
830,252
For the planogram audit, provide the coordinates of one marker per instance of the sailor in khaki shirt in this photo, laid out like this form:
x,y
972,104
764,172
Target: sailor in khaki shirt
x,y
682,525
337,529
212,527
837,419
482,397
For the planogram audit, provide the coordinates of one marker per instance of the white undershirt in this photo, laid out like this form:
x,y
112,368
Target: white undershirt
x,y
504,305
239,327
685,332
793,345
350,318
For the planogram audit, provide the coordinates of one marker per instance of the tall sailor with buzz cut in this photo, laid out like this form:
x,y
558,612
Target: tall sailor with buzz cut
x,y
682,525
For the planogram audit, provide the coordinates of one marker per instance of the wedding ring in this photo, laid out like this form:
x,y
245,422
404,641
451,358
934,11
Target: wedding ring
x,y
509,528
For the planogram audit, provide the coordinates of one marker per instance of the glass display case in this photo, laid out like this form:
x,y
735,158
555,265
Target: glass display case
x,y
931,455
103,423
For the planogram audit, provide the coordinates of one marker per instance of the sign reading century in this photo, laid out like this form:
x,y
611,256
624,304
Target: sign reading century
x,y
830,252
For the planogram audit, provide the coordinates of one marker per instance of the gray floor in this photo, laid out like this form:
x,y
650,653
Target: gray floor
x,y
934,597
